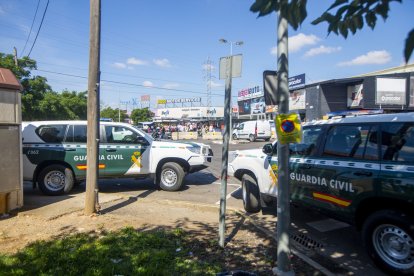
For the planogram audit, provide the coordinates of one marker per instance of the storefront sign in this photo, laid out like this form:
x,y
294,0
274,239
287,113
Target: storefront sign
x,y
391,91
190,112
183,100
249,93
296,82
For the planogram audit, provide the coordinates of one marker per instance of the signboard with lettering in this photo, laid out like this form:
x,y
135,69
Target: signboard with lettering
x,y
296,82
190,112
182,100
249,93
391,91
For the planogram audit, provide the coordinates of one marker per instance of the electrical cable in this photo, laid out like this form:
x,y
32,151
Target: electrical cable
x,y
38,31
126,83
31,27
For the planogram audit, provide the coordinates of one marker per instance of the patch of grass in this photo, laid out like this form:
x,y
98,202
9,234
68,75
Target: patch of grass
x,y
124,252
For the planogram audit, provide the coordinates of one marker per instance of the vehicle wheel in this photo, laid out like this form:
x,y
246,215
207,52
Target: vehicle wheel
x,y
234,136
251,194
252,138
56,180
389,239
171,177
267,139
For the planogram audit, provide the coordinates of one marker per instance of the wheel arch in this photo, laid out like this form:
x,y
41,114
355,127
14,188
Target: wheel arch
x,y
47,163
182,162
371,205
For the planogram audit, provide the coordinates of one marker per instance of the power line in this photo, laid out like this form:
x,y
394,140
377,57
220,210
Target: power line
x,y
127,83
31,27
38,31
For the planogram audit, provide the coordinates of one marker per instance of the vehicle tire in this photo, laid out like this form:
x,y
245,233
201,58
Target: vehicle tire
x,y
56,180
234,136
252,138
267,139
251,194
171,176
388,236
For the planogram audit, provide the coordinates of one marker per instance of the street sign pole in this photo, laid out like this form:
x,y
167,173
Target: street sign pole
x,y
283,208
225,152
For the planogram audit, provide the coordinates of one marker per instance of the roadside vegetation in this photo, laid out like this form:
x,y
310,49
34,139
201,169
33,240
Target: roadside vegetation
x,y
124,252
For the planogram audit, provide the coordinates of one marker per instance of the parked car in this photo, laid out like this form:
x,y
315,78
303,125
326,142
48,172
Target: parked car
x,y
359,170
253,130
54,155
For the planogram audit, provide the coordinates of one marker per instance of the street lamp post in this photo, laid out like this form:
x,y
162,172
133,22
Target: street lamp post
x,y
238,43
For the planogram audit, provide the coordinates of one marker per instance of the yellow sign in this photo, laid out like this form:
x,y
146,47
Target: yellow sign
x,y
162,101
288,128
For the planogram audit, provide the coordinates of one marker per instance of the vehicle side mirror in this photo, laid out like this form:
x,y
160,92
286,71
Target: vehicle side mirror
x,y
268,149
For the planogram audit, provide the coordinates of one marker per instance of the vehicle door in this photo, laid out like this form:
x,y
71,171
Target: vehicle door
x,y
303,173
397,164
126,151
241,131
346,171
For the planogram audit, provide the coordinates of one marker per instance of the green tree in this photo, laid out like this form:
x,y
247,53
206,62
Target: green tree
x,y
141,115
39,102
114,114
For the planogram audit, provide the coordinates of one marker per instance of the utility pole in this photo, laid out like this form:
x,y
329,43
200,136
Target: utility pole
x,y
225,152
15,57
92,173
283,208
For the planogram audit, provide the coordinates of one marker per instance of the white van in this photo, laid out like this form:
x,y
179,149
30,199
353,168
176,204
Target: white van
x,y
253,130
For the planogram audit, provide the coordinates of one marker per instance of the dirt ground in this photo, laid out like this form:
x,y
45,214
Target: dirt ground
x,y
247,248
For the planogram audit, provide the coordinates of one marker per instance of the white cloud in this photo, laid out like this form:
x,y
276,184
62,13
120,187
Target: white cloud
x,y
162,62
372,57
135,61
297,42
147,84
171,85
322,50
215,84
208,66
120,65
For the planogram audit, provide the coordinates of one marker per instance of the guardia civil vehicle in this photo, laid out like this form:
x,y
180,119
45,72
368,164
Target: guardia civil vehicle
x,y
356,169
54,155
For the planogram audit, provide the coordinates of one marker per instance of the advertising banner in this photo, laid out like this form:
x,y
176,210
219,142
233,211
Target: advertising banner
x,y
252,106
296,82
297,100
145,98
190,112
249,93
182,100
391,91
355,96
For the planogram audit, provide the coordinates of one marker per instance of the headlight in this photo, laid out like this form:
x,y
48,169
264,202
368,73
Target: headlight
x,y
232,155
195,149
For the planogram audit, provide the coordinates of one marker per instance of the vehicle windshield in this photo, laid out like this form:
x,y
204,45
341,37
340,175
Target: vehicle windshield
x,y
146,135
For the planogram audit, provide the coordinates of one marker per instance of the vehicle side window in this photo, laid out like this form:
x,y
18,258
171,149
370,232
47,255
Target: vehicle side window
x,y
77,134
120,135
310,139
52,133
398,142
346,141
241,126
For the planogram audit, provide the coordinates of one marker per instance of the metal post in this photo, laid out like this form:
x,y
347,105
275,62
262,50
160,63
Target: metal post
x,y
283,207
93,109
225,152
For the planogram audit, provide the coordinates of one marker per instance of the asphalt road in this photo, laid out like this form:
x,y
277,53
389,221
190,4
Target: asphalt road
x,y
334,245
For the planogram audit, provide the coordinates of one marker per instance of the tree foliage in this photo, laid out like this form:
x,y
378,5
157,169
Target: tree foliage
x,y
114,114
39,101
350,15
141,115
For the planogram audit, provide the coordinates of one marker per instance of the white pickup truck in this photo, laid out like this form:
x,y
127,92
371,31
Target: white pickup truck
x,y
55,155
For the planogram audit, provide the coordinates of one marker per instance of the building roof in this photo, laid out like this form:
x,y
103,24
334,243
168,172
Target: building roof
x,y
8,80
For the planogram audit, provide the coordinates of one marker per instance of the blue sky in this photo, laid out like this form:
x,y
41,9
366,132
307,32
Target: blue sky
x,y
160,47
